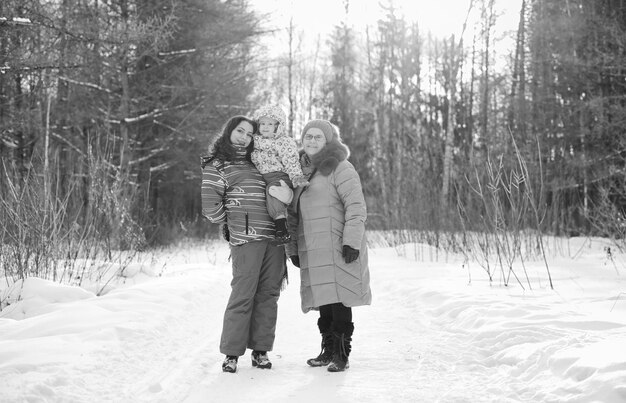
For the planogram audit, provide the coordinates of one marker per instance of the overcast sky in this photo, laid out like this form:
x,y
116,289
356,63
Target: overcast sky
x,y
441,17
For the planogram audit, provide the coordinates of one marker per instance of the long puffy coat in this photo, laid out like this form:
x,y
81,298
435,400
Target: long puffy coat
x,y
326,215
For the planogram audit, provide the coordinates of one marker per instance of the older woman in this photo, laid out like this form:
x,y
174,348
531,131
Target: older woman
x,y
328,220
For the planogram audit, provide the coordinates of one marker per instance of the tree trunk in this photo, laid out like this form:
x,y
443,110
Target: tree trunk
x,y
290,79
488,21
449,135
123,178
376,142
312,81
521,96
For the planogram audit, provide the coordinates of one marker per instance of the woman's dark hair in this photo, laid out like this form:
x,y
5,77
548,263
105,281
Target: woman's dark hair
x,y
222,148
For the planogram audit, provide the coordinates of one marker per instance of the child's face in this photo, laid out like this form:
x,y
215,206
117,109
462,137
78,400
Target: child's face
x,y
267,126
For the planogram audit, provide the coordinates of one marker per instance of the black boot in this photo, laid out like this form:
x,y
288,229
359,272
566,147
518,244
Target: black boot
x,y
282,234
342,336
327,344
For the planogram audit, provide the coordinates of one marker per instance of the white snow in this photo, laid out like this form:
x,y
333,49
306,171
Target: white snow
x,y
430,335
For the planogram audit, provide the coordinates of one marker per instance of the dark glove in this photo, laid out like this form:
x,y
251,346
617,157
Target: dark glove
x,y
295,260
349,254
225,232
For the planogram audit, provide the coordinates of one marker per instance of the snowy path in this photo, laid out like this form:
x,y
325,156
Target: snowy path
x,y
427,337
387,347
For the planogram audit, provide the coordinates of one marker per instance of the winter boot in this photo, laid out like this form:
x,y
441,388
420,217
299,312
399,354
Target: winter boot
x,y
230,364
282,234
260,360
342,336
327,345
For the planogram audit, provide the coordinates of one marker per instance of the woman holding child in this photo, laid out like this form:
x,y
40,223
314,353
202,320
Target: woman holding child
x,y
233,194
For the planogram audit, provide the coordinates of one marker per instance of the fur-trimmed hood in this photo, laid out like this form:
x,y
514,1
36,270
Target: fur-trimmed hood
x,y
327,159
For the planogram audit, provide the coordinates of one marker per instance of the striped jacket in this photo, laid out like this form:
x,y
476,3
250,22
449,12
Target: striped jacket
x,y
233,192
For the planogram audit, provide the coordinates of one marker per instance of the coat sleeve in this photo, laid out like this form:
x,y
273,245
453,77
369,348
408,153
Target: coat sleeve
x,y
213,190
290,159
351,194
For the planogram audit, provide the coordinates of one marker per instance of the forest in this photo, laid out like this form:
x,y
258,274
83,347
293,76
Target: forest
x,y
106,107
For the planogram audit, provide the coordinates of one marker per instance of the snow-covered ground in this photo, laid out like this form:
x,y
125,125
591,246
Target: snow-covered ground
x,y
430,335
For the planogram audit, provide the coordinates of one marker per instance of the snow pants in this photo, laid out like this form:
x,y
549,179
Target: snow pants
x,y
250,317
275,207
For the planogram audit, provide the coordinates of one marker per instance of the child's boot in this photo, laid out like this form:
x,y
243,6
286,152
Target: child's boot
x,y
282,234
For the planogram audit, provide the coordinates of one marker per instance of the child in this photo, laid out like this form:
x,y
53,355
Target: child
x,y
276,156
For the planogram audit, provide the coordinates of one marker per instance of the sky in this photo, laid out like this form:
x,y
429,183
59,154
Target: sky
x,y
441,17
315,20
437,331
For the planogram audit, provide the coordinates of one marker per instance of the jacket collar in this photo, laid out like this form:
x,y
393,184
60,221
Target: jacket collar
x,y
327,159
240,155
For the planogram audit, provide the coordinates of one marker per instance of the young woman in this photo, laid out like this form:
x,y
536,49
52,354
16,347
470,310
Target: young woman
x,y
233,194
328,220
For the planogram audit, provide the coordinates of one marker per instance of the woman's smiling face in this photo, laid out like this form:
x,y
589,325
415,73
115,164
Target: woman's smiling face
x,y
313,141
242,135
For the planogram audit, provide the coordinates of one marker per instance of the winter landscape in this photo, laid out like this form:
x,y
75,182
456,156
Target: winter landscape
x,y
437,331
499,124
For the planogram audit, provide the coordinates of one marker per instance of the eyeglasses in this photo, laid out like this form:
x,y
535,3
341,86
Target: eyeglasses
x,y
318,137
